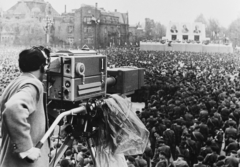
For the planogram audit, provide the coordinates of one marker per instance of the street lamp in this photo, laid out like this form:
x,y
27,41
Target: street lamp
x,y
48,24
95,22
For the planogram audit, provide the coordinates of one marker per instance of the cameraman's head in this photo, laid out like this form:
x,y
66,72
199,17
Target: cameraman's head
x,y
35,60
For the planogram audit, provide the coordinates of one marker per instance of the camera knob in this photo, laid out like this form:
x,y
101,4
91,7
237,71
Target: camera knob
x,y
80,68
68,70
66,92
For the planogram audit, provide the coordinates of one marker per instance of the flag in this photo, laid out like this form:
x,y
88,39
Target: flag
x,y
93,19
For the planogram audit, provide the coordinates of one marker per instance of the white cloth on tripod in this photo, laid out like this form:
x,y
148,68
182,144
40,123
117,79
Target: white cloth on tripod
x,y
106,159
131,136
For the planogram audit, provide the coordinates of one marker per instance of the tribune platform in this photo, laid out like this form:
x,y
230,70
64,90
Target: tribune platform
x,y
186,47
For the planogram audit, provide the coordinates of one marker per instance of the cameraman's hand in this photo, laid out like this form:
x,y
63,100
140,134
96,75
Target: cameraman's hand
x,y
32,154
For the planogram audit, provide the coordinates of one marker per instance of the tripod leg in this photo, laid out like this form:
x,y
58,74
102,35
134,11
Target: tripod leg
x,y
67,143
91,151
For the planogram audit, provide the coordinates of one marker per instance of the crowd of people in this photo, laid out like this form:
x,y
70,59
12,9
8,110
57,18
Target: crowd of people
x,y
8,65
192,107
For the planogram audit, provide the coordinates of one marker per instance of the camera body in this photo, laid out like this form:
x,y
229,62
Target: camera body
x,y
128,80
77,75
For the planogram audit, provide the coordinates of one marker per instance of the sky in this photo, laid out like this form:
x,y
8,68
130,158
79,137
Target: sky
x,y
163,11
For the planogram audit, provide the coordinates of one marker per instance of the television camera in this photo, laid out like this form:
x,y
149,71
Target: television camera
x,y
76,84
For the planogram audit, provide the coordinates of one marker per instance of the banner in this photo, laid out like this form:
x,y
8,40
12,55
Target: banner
x,y
174,28
185,28
197,28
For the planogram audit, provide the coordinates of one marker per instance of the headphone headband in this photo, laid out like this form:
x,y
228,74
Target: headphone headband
x,y
43,53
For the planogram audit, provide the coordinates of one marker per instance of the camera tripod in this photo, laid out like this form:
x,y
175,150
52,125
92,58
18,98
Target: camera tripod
x,y
68,140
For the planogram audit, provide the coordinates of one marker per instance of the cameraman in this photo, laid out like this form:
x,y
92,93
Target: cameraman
x,y
24,119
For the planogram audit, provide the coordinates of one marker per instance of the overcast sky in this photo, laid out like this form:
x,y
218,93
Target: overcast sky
x,y
162,11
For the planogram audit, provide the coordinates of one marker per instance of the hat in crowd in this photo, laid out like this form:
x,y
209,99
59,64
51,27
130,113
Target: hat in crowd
x,y
131,158
220,163
137,112
237,93
180,155
234,152
68,152
200,158
65,163
221,157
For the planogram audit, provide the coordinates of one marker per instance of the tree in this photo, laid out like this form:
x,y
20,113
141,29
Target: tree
x,y
201,19
27,31
213,28
149,28
160,30
234,32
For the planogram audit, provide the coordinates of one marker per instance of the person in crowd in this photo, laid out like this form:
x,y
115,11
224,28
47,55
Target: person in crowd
x,y
140,161
200,162
233,145
232,160
163,162
230,132
131,161
211,158
219,139
162,147
180,162
169,139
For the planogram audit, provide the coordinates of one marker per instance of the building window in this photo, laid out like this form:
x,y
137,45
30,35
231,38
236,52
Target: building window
x,y
88,40
88,29
87,20
196,37
70,29
174,37
108,19
104,20
70,40
185,37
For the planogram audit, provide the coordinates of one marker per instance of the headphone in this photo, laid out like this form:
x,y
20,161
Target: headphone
x,y
43,67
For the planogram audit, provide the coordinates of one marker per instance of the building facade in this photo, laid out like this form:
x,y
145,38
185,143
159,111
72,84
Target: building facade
x,y
88,25
38,9
7,37
94,27
33,13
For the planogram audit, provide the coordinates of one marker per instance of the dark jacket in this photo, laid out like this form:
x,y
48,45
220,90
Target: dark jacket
x,y
169,137
231,161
